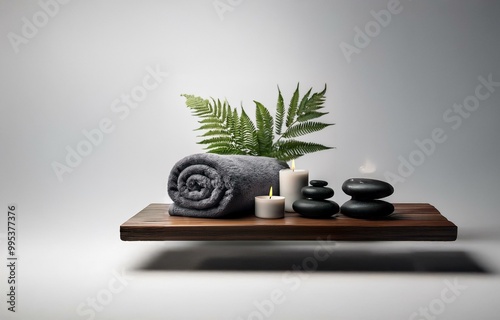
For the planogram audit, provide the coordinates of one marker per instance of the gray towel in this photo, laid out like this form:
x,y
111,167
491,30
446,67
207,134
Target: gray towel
x,y
212,186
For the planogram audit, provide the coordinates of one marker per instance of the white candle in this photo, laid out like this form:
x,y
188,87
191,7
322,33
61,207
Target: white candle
x,y
291,183
270,207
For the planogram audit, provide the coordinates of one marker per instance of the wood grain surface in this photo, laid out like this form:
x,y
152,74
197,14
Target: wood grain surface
x,y
409,222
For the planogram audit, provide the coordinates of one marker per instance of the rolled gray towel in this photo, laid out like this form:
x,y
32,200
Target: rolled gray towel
x,y
208,185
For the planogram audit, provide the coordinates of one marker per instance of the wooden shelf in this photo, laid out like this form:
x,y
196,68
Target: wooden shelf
x,y
409,222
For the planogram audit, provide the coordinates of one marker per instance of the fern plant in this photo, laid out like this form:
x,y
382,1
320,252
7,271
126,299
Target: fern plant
x,y
228,131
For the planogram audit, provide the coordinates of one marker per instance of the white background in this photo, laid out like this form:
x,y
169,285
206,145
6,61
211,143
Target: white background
x,y
393,91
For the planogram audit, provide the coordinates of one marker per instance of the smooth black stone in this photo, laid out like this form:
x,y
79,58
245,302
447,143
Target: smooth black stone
x,y
315,208
369,209
367,189
318,183
317,193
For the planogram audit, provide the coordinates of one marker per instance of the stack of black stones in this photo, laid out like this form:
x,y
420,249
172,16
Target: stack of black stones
x,y
315,205
365,194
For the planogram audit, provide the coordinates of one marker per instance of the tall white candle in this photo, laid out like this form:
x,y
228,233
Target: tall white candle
x,y
291,183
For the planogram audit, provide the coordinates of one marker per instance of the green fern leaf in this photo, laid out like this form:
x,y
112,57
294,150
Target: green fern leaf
x,y
198,106
303,128
223,150
228,120
212,125
303,102
216,108
202,113
264,122
293,149
218,139
315,102
280,113
227,132
224,111
310,115
195,102
292,109
209,120
218,148
249,134
214,133
235,128
218,145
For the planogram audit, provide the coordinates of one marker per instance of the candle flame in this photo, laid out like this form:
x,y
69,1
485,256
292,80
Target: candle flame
x,y
293,164
271,192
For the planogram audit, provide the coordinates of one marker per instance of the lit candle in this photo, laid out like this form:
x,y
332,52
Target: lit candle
x,y
270,207
291,183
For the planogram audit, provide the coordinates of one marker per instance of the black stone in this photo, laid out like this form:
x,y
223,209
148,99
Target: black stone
x,y
318,183
317,193
315,208
367,189
369,209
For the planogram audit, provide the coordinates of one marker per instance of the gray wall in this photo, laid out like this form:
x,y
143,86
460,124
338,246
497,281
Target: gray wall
x,y
69,71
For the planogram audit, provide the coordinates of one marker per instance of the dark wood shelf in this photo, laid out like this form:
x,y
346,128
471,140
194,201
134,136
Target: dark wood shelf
x,y
409,222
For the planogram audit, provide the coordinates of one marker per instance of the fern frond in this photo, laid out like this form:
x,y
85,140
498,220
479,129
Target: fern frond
x,y
292,109
280,113
223,150
293,149
249,134
310,115
231,125
215,133
315,102
225,106
217,145
218,139
209,120
304,102
195,102
234,125
216,105
213,125
303,128
264,122
227,132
